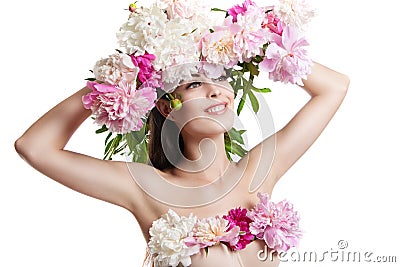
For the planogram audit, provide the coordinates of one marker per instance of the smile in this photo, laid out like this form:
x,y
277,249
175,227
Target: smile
x,y
217,109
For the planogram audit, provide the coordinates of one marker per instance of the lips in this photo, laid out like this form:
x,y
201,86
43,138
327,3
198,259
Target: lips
x,y
217,108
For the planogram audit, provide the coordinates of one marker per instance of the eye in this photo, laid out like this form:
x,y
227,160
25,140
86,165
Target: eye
x,y
221,78
193,85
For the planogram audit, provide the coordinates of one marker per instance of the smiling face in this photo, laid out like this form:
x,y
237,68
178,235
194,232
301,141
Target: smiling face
x,y
207,106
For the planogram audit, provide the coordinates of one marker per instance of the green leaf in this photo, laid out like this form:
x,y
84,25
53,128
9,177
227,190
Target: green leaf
x,y
252,68
228,142
102,129
247,84
254,101
260,90
218,9
131,141
246,88
242,131
238,85
139,135
236,135
108,137
234,144
120,149
90,79
108,145
241,105
237,149
206,250
235,72
140,153
258,59
112,146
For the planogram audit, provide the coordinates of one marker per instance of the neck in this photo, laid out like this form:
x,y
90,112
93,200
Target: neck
x,y
205,157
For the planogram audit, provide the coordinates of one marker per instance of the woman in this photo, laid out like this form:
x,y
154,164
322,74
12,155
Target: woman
x,y
204,169
42,146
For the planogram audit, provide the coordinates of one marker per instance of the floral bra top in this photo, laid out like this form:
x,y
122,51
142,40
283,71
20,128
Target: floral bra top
x,y
174,238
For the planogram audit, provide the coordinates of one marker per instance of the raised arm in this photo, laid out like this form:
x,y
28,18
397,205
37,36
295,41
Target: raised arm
x,y
327,89
42,146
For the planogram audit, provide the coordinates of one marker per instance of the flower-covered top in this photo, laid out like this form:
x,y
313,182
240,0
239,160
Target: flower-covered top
x,y
174,238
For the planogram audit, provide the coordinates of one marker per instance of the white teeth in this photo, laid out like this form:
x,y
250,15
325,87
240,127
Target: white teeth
x,y
216,108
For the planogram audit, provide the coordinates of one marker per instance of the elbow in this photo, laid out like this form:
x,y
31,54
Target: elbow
x,y
345,85
24,149
20,148
340,86
345,82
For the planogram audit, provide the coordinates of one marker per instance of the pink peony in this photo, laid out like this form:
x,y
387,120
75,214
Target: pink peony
x,y
237,9
273,23
211,70
277,224
238,217
146,69
120,107
286,58
211,231
147,74
248,33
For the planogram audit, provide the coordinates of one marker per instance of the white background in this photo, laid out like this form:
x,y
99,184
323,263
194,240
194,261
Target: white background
x,y
345,186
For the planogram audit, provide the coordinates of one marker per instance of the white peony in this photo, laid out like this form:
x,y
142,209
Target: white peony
x,y
114,69
144,25
218,47
167,240
176,45
294,12
203,22
182,8
213,230
174,75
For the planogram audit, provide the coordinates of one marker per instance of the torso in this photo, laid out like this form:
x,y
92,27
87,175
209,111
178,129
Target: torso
x,y
239,196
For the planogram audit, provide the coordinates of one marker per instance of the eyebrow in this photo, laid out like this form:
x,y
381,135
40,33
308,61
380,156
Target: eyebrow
x,y
195,75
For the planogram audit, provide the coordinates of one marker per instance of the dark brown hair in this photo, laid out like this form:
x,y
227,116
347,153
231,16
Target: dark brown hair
x,y
163,141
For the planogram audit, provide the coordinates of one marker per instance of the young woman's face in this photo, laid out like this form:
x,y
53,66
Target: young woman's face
x,y
207,106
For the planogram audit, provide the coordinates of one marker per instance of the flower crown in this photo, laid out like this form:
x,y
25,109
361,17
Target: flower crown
x,y
167,42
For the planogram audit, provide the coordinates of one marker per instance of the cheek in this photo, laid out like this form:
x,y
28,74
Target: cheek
x,y
190,110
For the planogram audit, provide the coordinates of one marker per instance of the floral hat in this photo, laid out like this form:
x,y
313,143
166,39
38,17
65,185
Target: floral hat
x,y
163,44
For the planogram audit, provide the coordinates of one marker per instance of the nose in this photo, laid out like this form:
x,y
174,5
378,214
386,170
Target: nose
x,y
213,90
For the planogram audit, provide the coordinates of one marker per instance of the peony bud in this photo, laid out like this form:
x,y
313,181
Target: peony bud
x,y
175,104
132,7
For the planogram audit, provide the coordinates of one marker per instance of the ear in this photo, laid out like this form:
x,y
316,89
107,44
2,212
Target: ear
x,y
164,108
